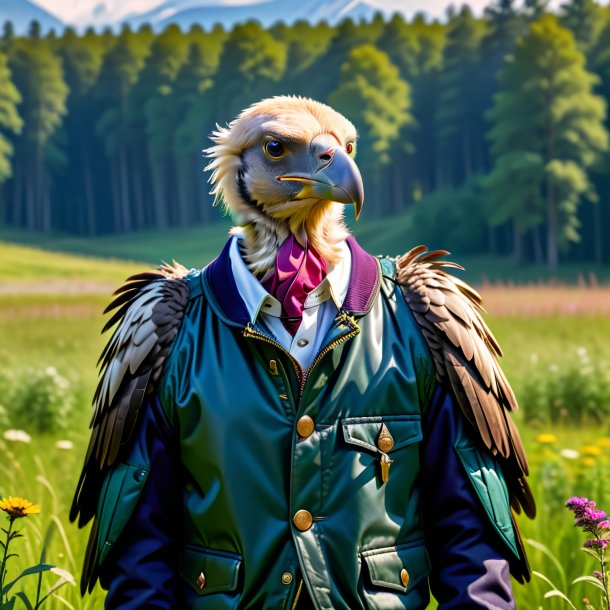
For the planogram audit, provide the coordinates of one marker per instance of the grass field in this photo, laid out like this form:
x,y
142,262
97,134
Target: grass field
x,y
196,246
541,331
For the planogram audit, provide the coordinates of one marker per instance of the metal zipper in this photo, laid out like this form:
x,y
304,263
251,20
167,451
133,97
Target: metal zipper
x,y
344,318
303,375
298,595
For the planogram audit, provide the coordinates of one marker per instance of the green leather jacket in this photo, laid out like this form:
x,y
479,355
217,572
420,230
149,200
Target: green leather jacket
x,y
281,488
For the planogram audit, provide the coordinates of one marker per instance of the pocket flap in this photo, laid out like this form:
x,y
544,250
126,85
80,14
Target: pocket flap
x,y
119,497
391,567
220,569
364,431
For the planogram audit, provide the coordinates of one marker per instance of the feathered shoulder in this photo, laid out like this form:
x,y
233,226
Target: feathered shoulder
x,y
465,355
148,309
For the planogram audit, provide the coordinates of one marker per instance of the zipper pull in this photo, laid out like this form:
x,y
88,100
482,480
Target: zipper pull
x,y
385,462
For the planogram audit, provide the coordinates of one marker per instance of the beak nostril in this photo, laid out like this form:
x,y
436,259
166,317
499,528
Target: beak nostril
x,y
327,155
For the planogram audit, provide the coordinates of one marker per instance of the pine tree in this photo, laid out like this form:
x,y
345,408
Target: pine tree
x,y
548,131
38,75
10,121
118,74
377,100
458,119
585,19
82,60
152,116
190,98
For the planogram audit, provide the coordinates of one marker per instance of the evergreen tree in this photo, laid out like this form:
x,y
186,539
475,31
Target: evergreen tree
x,y
82,60
152,116
8,34
548,131
459,120
585,19
118,74
252,64
10,121
374,96
39,78
190,99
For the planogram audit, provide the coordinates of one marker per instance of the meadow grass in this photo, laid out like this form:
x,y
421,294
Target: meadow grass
x,y
41,330
198,245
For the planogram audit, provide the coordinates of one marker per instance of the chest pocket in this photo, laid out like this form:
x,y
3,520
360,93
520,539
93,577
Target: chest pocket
x,y
381,434
391,439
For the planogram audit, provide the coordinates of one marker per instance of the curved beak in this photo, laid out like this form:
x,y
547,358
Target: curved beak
x,y
338,180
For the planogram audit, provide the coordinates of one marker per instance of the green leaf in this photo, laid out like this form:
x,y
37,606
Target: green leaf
x,y
589,579
38,569
23,597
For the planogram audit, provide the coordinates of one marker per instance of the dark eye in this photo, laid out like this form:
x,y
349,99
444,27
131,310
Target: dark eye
x,y
274,149
349,148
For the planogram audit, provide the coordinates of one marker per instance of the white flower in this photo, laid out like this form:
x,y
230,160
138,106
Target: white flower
x,y
17,436
569,454
65,445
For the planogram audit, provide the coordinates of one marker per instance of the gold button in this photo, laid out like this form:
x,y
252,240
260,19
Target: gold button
x,y
303,520
201,580
286,578
302,342
404,578
385,442
305,426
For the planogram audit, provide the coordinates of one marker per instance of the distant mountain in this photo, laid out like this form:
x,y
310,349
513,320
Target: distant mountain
x,y
266,12
22,12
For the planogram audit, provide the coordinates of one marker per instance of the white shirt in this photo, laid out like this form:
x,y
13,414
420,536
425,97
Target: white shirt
x,y
320,309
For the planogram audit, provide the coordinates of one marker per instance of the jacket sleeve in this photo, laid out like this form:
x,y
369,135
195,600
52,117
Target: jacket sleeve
x,y
470,563
140,571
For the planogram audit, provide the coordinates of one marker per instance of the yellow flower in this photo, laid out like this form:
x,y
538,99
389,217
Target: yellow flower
x,y
590,462
591,450
16,508
604,441
546,439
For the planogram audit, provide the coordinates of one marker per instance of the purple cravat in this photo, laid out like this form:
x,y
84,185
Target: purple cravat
x,y
297,272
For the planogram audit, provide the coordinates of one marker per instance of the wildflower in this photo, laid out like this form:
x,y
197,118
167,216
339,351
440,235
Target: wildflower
x,y
578,503
591,450
604,441
589,462
64,445
546,439
604,525
16,508
569,454
598,575
597,543
589,517
17,436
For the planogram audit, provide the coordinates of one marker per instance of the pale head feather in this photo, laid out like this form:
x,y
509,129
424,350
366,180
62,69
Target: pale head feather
x,y
294,118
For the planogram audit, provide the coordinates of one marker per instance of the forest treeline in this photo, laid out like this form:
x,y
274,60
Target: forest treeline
x,y
491,130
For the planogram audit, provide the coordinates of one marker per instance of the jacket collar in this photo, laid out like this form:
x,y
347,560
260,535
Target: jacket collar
x,y
219,285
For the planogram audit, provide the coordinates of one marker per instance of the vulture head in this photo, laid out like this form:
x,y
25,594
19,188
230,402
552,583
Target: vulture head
x,y
281,167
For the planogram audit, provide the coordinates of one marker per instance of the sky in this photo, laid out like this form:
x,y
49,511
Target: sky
x,y
85,11
104,11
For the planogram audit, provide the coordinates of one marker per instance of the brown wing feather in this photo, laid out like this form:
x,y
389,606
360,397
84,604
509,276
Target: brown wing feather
x,y
149,309
465,356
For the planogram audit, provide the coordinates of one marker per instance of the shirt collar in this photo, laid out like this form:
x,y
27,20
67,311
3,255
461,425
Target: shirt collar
x,y
220,287
256,299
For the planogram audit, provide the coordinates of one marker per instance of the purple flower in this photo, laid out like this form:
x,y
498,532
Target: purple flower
x,y
576,503
589,517
598,575
604,525
597,543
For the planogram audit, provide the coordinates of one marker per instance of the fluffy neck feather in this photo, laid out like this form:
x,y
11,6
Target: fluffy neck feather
x,y
322,223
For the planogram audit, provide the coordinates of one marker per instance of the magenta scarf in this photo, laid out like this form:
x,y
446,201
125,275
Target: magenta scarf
x,y
297,272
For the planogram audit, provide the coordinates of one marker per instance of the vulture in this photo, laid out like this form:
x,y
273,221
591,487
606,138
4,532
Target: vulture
x,y
301,424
